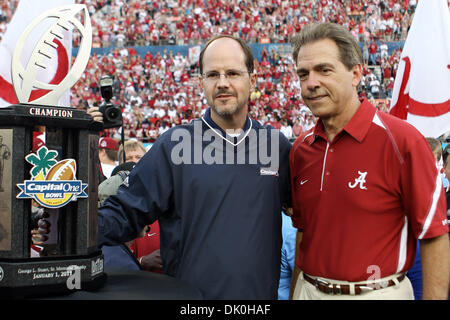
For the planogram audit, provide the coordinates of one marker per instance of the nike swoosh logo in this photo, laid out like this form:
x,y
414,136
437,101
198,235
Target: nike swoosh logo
x,y
303,182
151,234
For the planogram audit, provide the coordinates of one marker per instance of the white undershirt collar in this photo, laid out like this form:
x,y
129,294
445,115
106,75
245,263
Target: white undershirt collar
x,y
217,132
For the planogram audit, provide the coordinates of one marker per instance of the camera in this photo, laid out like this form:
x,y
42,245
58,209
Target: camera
x,y
112,115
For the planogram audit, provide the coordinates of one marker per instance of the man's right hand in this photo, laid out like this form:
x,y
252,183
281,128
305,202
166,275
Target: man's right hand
x,y
95,114
152,261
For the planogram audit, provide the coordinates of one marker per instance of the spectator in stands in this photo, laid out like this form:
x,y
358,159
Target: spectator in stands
x,y
365,54
309,122
375,87
286,129
373,52
297,129
386,71
262,20
383,50
134,151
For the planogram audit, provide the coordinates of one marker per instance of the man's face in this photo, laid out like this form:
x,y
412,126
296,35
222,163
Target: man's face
x,y
327,85
226,95
134,155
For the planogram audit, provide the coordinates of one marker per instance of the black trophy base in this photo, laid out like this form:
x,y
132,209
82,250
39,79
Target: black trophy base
x,y
39,277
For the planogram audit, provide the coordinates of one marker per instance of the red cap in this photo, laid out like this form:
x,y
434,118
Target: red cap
x,y
107,143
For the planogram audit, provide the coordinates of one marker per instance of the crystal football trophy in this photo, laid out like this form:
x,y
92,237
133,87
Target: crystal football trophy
x,y
55,179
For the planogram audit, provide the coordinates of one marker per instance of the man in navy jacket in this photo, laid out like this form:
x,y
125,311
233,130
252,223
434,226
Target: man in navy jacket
x,y
217,187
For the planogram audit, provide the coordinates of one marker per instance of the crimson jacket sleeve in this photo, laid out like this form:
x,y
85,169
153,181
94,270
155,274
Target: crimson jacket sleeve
x,y
423,193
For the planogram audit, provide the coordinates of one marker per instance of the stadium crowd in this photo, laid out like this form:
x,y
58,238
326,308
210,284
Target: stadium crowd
x,y
194,21
157,92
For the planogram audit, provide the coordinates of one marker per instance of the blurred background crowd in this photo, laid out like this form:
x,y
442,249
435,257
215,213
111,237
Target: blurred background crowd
x,y
157,90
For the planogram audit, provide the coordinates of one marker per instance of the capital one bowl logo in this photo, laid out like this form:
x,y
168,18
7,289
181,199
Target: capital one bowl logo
x,y
49,51
53,183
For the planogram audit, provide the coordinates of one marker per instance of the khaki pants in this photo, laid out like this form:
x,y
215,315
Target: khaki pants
x,y
402,291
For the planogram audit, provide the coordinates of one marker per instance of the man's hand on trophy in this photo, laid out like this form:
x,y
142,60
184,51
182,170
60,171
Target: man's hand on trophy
x,y
41,227
95,113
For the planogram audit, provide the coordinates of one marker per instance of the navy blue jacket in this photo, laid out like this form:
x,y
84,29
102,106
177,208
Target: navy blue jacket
x,y
220,224
119,257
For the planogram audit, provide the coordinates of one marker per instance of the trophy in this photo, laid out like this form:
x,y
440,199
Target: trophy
x,y
51,185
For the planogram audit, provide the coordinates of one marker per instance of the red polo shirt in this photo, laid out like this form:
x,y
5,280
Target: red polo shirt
x,y
364,198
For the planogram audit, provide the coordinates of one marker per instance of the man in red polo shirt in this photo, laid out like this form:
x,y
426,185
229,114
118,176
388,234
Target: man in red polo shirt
x,y
365,186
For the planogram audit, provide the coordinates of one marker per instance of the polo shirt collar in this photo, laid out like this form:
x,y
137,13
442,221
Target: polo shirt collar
x,y
360,123
357,127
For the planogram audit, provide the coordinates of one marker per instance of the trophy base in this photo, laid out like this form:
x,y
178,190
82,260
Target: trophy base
x,y
37,277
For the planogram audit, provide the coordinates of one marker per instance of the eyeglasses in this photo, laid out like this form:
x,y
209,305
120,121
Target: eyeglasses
x,y
229,74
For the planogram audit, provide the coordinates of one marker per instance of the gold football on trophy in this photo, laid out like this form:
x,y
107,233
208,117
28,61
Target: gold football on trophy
x,y
63,170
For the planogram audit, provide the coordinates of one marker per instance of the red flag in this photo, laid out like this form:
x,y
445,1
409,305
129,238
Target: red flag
x,y
421,93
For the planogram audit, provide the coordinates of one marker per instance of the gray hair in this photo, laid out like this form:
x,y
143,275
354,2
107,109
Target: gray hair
x,y
349,51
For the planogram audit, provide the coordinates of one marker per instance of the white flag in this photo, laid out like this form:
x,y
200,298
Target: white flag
x,y
26,12
422,85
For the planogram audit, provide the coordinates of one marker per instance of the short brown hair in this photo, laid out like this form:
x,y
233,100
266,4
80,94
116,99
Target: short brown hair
x,y
111,154
349,51
245,47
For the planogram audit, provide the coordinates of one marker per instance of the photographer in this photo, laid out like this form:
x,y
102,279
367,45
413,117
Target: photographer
x,y
108,113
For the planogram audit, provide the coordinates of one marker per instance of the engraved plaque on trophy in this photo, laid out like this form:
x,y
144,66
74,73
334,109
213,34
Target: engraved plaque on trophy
x,y
47,169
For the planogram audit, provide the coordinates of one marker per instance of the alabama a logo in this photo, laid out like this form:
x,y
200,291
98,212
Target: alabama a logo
x,y
360,181
53,183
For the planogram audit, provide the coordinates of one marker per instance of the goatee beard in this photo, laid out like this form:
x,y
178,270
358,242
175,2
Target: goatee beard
x,y
227,114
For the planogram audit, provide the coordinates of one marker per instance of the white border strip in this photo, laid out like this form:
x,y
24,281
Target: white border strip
x,y
403,246
432,211
323,166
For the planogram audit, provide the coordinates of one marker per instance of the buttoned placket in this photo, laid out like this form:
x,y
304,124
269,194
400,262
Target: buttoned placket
x,y
324,166
329,150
